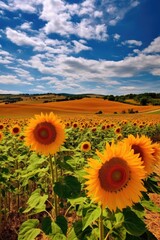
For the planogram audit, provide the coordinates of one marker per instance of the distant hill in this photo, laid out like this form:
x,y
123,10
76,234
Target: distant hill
x,y
87,105
143,99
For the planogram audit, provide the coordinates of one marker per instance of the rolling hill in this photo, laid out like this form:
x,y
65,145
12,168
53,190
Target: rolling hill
x,y
91,105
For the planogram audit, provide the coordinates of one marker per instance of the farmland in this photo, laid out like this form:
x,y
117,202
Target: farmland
x,y
45,170
83,106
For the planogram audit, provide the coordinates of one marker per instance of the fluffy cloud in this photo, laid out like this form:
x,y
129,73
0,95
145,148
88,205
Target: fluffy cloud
x,y
25,5
9,92
54,47
154,47
132,43
20,38
11,79
41,43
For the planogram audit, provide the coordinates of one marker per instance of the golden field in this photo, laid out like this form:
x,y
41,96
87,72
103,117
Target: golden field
x,y
43,169
70,108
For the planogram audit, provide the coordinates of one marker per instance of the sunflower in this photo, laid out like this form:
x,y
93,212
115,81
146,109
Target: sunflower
x,y
156,152
119,136
1,126
15,130
86,146
143,147
21,138
118,130
115,181
75,125
45,133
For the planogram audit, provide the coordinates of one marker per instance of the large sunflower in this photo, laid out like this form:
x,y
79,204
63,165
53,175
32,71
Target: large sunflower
x,y
143,147
116,180
45,134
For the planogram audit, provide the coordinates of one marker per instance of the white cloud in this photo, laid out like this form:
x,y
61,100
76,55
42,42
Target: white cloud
x,y
154,47
41,43
25,5
5,57
92,20
132,43
3,5
116,36
20,38
128,88
11,79
9,92
23,74
26,26
98,14
80,47
117,11
80,69
58,15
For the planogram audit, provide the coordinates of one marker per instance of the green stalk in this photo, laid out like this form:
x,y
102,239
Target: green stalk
x,y
56,179
101,226
53,178
18,186
0,212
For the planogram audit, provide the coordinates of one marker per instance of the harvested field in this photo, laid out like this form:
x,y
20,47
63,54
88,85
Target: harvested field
x,y
82,106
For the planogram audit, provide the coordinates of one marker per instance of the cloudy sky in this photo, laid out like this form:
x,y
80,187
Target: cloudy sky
x,y
80,46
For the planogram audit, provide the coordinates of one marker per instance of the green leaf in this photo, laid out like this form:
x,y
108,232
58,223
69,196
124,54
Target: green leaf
x,y
119,217
94,234
28,230
90,217
46,225
69,187
64,165
56,233
152,185
78,231
133,224
58,236
36,202
130,237
138,209
150,206
72,235
62,223
77,201
119,233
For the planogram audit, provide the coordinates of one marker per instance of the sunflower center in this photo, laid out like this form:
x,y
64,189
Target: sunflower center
x,y
85,146
15,129
114,175
117,175
137,149
45,133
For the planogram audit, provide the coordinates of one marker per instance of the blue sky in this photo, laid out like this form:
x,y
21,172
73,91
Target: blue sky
x,y
81,46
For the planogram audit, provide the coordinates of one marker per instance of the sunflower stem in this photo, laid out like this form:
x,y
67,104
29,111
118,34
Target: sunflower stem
x,y
0,211
53,179
56,178
101,226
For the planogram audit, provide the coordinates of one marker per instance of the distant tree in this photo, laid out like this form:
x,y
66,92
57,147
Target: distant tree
x,y
123,112
99,112
111,98
143,101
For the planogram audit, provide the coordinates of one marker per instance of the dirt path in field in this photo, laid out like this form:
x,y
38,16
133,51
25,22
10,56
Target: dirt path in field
x,y
156,110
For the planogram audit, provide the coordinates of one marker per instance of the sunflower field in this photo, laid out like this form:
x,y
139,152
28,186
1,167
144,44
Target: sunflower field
x,y
80,178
